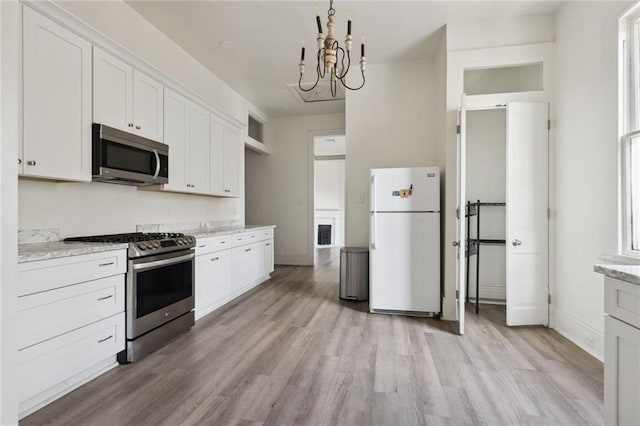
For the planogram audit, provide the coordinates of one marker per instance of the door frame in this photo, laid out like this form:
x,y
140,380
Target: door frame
x,y
550,173
311,208
457,62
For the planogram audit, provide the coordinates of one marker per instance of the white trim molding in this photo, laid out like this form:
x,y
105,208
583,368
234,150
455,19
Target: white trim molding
x,y
582,334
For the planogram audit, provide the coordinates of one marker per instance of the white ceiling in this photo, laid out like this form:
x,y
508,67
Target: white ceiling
x,y
267,36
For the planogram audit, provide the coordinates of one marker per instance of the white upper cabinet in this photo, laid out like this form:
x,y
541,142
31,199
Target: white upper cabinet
x,y
147,106
198,170
126,98
56,101
186,130
226,142
176,135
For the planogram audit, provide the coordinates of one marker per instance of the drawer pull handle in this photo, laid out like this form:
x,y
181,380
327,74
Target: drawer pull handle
x,y
213,259
204,245
105,339
223,242
106,264
248,250
100,299
268,244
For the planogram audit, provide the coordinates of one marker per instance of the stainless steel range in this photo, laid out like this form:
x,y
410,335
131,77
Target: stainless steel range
x,y
160,288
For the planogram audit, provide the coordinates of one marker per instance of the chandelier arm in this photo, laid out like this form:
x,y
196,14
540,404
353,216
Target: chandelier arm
x,y
353,88
319,69
312,87
344,70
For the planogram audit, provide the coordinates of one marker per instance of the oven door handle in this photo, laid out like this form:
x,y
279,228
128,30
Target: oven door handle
x,y
155,175
165,262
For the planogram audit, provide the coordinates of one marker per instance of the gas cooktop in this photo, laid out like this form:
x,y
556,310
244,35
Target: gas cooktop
x,y
142,243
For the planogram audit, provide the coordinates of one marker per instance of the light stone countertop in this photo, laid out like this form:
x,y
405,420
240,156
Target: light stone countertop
x,y
206,233
56,249
628,273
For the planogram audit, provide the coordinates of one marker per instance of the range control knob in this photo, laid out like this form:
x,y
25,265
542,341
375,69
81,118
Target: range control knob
x,y
142,246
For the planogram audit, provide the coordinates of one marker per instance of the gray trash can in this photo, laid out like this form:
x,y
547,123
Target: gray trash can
x,y
354,273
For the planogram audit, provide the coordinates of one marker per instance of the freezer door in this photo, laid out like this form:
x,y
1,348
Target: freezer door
x,y
404,263
387,187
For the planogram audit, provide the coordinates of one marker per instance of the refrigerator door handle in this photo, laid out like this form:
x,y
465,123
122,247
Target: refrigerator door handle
x,y
373,230
373,212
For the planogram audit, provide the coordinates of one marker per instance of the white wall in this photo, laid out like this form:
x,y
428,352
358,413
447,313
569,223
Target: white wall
x,y
391,122
485,181
9,130
93,208
329,197
586,157
279,186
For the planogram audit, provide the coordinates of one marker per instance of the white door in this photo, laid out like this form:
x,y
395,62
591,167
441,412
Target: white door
x,y
112,91
147,107
199,145
217,156
422,183
231,161
526,210
56,100
176,131
405,262
461,223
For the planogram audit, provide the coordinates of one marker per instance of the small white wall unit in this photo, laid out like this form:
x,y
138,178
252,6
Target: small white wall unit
x,y
622,353
256,135
126,98
71,312
186,128
56,96
229,266
226,143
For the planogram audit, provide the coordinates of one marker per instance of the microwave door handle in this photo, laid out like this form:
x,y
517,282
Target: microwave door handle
x,y
155,175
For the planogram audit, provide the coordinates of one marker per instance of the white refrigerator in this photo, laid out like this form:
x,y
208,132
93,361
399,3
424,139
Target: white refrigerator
x,y
404,241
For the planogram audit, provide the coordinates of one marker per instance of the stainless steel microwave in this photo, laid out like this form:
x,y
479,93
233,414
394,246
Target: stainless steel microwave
x,y
127,159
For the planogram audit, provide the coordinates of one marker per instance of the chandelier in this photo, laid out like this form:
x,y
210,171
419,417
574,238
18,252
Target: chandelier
x,y
331,56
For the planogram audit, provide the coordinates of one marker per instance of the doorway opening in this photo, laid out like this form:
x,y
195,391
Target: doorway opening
x,y
329,191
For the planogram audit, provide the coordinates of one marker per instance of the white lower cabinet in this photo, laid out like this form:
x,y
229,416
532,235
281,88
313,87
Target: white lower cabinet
x,y
224,273
71,312
622,353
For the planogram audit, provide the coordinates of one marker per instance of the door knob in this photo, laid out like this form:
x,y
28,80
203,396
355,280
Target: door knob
x,y
516,242
31,163
138,127
455,243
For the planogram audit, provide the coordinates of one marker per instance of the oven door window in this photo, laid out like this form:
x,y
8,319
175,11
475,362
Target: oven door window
x,y
161,287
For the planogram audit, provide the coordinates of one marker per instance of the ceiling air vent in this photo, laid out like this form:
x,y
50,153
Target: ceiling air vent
x,y
321,93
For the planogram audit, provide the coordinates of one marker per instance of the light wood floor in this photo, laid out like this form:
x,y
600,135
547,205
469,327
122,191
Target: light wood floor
x,y
291,352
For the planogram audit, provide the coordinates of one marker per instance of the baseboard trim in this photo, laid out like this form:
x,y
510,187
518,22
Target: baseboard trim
x,y
291,259
582,334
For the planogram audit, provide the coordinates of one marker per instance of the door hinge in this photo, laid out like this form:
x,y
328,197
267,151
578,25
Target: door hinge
x,y
457,294
458,129
458,213
548,124
549,299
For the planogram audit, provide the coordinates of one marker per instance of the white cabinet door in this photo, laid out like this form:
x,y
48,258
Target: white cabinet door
x,y
198,149
203,284
241,271
221,272
147,107
112,91
621,373
176,135
232,145
267,253
56,100
217,156
527,221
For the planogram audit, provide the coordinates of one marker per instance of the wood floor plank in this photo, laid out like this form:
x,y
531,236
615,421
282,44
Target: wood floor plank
x,y
290,352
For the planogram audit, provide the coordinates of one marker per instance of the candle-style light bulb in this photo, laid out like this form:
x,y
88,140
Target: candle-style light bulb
x,y
349,25
362,47
318,23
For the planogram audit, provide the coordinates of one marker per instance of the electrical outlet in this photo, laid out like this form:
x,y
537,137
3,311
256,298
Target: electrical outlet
x,y
589,340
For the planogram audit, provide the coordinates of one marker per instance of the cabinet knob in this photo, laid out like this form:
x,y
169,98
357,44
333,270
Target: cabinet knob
x,y
19,161
31,163
138,127
130,124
